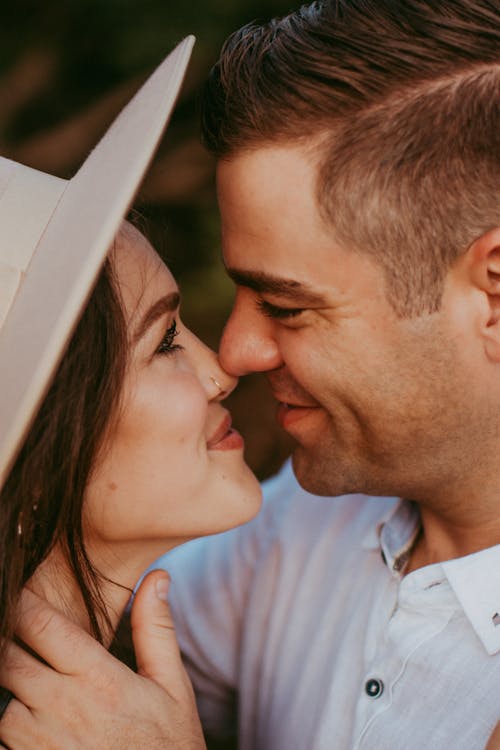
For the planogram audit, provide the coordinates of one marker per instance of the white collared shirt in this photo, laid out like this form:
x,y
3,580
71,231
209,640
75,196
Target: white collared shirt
x,y
301,623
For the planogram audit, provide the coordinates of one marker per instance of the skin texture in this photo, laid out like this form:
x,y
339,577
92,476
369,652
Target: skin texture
x,y
158,481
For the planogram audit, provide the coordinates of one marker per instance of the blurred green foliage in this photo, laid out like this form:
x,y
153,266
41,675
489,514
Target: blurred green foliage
x,y
99,43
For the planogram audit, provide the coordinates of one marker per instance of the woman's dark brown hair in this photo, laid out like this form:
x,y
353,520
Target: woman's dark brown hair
x,y
41,503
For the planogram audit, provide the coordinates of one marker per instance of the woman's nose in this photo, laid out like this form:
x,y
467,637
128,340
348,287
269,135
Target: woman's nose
x,y
223,383
217,383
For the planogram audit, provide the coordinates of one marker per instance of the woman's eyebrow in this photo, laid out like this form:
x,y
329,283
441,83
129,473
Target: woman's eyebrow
x,y
164,305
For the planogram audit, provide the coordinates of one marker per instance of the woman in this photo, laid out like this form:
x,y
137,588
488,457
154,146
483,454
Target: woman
x,y
131,452
114,446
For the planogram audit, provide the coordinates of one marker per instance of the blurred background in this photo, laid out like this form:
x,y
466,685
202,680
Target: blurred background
x,y
66,69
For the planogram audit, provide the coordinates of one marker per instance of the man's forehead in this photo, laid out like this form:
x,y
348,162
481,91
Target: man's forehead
x,y
274,239
262,171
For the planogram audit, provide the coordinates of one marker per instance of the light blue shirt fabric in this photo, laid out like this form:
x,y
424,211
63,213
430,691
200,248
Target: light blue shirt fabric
x,y
301,624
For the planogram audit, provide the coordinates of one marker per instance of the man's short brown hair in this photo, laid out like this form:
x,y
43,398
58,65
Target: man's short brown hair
x,y
402,99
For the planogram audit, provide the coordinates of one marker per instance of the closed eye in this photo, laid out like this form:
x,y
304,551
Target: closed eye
x,y
278,313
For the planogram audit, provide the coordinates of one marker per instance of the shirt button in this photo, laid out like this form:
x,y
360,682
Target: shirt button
x,y
374,688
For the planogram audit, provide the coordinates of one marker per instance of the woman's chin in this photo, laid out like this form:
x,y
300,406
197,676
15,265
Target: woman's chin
x,y
234,498
221,510
245,503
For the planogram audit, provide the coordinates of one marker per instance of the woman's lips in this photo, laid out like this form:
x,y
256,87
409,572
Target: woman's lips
x,y
225,438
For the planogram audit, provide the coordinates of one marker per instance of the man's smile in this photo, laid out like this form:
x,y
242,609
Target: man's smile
x,y
294,404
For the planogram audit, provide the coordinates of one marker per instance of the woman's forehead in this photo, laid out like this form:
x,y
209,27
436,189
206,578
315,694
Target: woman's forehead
x,y
141,275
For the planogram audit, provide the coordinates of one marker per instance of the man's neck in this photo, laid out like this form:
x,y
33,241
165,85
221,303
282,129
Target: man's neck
x,y
442,538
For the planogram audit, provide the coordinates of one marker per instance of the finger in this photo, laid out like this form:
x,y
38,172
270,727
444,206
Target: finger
x,y
5,698
25,676
59,642
17,727
153,633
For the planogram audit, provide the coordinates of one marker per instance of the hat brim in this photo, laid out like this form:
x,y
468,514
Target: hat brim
x,y
72,249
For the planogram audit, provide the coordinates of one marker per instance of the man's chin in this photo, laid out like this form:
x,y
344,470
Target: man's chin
x,y
330,476
315,474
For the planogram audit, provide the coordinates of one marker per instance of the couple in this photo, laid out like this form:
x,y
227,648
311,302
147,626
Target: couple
x,y
358,153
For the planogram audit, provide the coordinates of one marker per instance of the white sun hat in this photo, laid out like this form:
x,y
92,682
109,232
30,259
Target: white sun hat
x,y
54,237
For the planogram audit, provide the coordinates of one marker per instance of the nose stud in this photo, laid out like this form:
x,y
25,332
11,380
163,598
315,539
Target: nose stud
x,y
217,385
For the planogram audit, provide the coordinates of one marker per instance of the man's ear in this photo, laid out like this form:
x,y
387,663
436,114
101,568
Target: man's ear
x,y
484,268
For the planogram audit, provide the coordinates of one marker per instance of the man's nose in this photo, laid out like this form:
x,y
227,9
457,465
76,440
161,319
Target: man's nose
x,y
248,344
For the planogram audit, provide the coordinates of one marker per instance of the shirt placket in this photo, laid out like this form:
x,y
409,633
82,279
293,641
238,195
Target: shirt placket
x,y
417,618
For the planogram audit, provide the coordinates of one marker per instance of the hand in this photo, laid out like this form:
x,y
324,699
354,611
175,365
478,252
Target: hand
x,y
494,742
85,698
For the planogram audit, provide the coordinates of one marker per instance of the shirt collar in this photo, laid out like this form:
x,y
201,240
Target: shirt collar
x,y
395,534
474,579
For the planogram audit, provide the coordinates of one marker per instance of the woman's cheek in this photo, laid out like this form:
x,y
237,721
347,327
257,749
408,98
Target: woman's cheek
x,y
174,405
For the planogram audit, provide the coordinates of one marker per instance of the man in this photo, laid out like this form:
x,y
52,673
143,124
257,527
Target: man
x,y
359,145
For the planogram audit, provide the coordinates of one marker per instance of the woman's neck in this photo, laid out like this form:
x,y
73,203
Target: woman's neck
x,y
55,582
119,570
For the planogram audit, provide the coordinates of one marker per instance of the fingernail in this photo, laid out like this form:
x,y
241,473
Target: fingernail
x,y
162,586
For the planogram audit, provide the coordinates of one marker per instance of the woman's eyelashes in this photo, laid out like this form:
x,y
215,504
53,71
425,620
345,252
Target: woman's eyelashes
x,y
275,312
167,345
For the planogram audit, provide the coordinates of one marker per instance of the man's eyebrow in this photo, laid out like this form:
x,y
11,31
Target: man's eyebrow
x,y
263,283
164,305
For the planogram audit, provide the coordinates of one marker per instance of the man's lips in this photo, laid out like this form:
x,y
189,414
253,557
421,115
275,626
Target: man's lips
x,y
293,407
290,413
225,437
294,401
